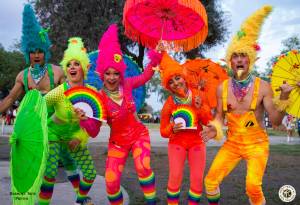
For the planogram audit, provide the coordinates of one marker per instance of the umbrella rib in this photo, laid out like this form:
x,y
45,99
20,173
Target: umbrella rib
x,y
277,76
30,140
287,71
295,103
298,62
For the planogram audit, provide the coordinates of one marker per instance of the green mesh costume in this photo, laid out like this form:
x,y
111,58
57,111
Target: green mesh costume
x,y
63,126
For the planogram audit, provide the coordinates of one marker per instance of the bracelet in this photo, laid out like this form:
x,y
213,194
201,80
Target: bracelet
x,y
281,105
218,125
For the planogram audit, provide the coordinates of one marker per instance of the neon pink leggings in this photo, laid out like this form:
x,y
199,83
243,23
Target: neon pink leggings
x,y
116,159
196,156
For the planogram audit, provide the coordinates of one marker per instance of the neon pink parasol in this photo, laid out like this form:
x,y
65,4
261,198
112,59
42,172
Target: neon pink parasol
x,y
180,23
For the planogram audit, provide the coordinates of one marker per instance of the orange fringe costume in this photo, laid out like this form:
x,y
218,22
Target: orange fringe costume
x,y
245,138
186,144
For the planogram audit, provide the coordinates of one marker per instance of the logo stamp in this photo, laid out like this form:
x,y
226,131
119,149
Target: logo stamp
x,y
287,193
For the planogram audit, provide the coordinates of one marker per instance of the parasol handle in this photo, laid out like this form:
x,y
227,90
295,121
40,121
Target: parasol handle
x,y
13,139
160,45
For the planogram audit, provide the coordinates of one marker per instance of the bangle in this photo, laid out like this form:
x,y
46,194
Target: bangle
x,y
281,105
218,126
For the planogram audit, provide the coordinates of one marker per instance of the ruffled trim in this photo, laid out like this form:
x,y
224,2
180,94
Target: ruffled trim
x,y
281,105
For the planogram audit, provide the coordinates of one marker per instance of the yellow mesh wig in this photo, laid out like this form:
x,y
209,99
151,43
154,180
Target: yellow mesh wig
x,y
76,51
169,68
245,39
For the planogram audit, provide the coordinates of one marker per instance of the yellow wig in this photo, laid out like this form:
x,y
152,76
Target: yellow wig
x,y
76,51
245,39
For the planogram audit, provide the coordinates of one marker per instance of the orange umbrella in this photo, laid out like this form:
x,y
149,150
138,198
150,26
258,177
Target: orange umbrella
x,y
205,75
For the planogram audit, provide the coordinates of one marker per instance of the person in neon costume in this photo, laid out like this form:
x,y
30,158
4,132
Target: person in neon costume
x,y
242,100
131,136
67,132
40,75
183,143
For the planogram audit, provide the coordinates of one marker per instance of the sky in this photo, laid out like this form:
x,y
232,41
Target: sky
x,y
283,22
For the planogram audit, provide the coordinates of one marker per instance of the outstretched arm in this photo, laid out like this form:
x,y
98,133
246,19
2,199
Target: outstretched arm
x,y
16,91
140,80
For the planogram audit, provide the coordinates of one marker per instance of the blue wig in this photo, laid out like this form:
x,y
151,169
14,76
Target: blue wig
x,y
33,35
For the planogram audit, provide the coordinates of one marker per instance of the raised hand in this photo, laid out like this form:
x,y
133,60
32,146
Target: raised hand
x,y
177,127
285,90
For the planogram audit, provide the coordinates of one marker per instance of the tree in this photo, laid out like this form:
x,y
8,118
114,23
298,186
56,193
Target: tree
x,y
290,43
11,63
90,18
218,21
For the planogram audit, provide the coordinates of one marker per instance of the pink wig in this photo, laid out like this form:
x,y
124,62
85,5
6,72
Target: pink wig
x,y
110,54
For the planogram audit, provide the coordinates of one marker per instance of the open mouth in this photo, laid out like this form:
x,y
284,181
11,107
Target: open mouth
x,y
240,67
111,82
73,73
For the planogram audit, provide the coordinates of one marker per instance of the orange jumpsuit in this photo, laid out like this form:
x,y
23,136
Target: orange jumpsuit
x,y
186,144
245,140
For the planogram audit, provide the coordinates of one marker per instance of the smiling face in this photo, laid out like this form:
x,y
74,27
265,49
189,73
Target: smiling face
x,y
111,79
240,65
74,72
177,85
37,57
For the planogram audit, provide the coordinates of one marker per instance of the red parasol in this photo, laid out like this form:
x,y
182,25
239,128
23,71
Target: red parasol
x,y
206,76
182,24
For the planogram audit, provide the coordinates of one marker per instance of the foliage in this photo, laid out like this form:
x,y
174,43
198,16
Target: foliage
x,y
290,43
11,63
89,19
217,28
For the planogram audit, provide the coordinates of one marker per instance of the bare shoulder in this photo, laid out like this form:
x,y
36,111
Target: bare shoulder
x,y
19,78
57,69
265,87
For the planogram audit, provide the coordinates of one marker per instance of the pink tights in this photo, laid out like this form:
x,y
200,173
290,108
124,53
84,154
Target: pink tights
x,y
116,159
196,156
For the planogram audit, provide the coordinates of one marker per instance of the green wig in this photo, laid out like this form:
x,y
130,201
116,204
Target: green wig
x,y
34,37
76,51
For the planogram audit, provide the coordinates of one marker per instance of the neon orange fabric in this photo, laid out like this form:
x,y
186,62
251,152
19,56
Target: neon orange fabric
x,y
244,128
229,156
186,138
205,70
245,140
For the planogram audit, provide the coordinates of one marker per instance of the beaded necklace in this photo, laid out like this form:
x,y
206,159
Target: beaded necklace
x,y
116,96
241,88
186,101
37,72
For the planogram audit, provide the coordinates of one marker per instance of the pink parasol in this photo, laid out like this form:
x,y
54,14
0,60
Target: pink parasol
x,y
182,24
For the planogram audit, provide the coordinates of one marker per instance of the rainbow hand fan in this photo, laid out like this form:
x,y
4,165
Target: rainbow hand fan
x,y
88,100
186,115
